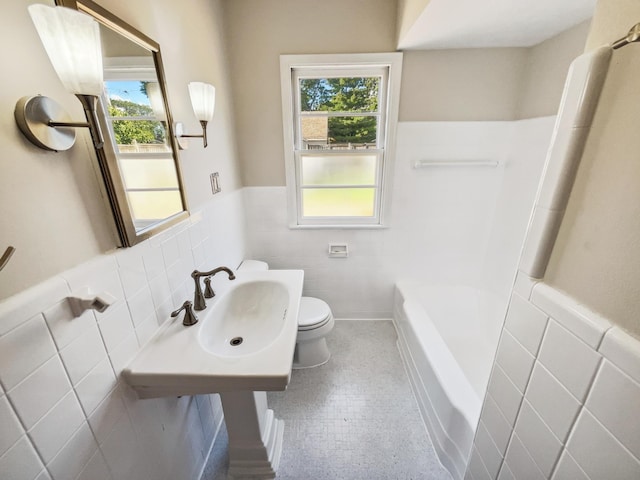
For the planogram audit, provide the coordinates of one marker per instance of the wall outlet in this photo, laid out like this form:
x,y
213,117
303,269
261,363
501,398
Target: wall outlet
x,y
215,183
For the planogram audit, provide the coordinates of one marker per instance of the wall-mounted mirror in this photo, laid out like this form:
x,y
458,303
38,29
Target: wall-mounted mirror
x,y
139,161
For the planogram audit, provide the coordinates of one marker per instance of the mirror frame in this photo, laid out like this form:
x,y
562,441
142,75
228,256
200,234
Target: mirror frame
x,y
108,164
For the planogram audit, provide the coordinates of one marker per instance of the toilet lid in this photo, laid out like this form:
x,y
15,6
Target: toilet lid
x,y
313,311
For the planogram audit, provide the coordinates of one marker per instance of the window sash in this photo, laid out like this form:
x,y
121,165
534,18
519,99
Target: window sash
x,y
338,220
381,72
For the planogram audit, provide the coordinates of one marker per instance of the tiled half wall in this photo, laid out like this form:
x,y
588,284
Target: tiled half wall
x,y
564,396
64,412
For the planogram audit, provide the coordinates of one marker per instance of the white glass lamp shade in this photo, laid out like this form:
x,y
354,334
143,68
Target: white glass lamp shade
x,y
157,102
72,41
203,100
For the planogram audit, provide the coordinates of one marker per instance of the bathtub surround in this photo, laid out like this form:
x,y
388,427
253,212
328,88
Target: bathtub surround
x,y
461,225
67,413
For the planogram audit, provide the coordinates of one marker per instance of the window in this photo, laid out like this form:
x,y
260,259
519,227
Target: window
x,y
340,113
139,142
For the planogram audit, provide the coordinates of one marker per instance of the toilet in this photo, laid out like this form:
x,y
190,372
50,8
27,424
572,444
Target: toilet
x,y
315,321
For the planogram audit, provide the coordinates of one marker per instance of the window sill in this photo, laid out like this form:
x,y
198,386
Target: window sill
x,y
337,227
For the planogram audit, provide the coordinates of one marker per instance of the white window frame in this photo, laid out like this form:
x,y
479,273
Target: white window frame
x,y
293,67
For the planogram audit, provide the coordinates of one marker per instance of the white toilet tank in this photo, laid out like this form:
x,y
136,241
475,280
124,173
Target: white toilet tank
x,y
253,266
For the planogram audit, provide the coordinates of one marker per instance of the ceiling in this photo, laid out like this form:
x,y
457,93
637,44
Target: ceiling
x,y
493,23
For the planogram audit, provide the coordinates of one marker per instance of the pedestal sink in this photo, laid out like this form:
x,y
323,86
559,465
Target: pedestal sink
x,y
242,346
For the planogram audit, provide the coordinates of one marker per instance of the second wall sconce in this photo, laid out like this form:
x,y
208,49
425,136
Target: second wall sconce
x,y
203,101
72,42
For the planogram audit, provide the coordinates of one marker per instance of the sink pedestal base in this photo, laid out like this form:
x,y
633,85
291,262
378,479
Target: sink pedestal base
x,y
255,435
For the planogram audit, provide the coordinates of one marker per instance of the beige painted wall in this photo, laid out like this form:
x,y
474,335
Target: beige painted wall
x,y
408,13
596,258
545,71
470,84
259,31
489,83
50,206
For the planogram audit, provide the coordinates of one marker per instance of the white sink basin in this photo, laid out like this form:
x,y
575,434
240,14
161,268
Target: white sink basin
x,y
261,308
246,320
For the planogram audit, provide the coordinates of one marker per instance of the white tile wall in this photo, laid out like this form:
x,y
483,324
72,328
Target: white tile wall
x,y
622,349
568,469
497,426
10,428
569,359
599,453
44,475
612,398
64,327
39,392
541,444
65,413
96,469
488,451
552,401
477,470
506,473
526,323
461,225
16,310
95,386
585,324
520,462
20,461
81,356
75,455
16,362
505,393
54,430
576,416
514,360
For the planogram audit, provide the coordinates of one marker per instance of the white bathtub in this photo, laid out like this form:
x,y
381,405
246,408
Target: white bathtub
x,y
448,336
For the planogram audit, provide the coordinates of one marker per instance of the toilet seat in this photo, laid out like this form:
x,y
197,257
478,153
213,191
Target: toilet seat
x,y
313,313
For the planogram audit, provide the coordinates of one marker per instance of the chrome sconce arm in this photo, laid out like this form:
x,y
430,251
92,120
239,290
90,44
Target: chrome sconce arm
x,y
181,136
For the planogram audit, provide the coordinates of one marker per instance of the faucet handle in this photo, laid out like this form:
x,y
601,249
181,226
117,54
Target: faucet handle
x,y
189,317
208,291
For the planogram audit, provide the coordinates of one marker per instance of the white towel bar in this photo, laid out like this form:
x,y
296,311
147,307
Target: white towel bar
x,y
455,163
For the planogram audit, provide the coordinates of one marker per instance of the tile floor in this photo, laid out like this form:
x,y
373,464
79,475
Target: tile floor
x,y
354,418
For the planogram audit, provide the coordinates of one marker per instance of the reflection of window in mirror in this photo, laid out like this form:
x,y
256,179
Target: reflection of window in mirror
x,y
139,140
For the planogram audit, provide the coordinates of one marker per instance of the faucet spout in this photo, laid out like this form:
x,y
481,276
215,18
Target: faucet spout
x,y
198,297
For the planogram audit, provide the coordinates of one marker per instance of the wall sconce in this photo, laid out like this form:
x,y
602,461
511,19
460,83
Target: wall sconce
x,y
72,42
203,101
157,102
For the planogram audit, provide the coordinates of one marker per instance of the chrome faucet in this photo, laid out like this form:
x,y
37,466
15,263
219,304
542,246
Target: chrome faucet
x,y
198,297
189,317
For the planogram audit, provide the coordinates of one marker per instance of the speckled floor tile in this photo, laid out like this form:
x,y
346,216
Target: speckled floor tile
x,y
354,418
